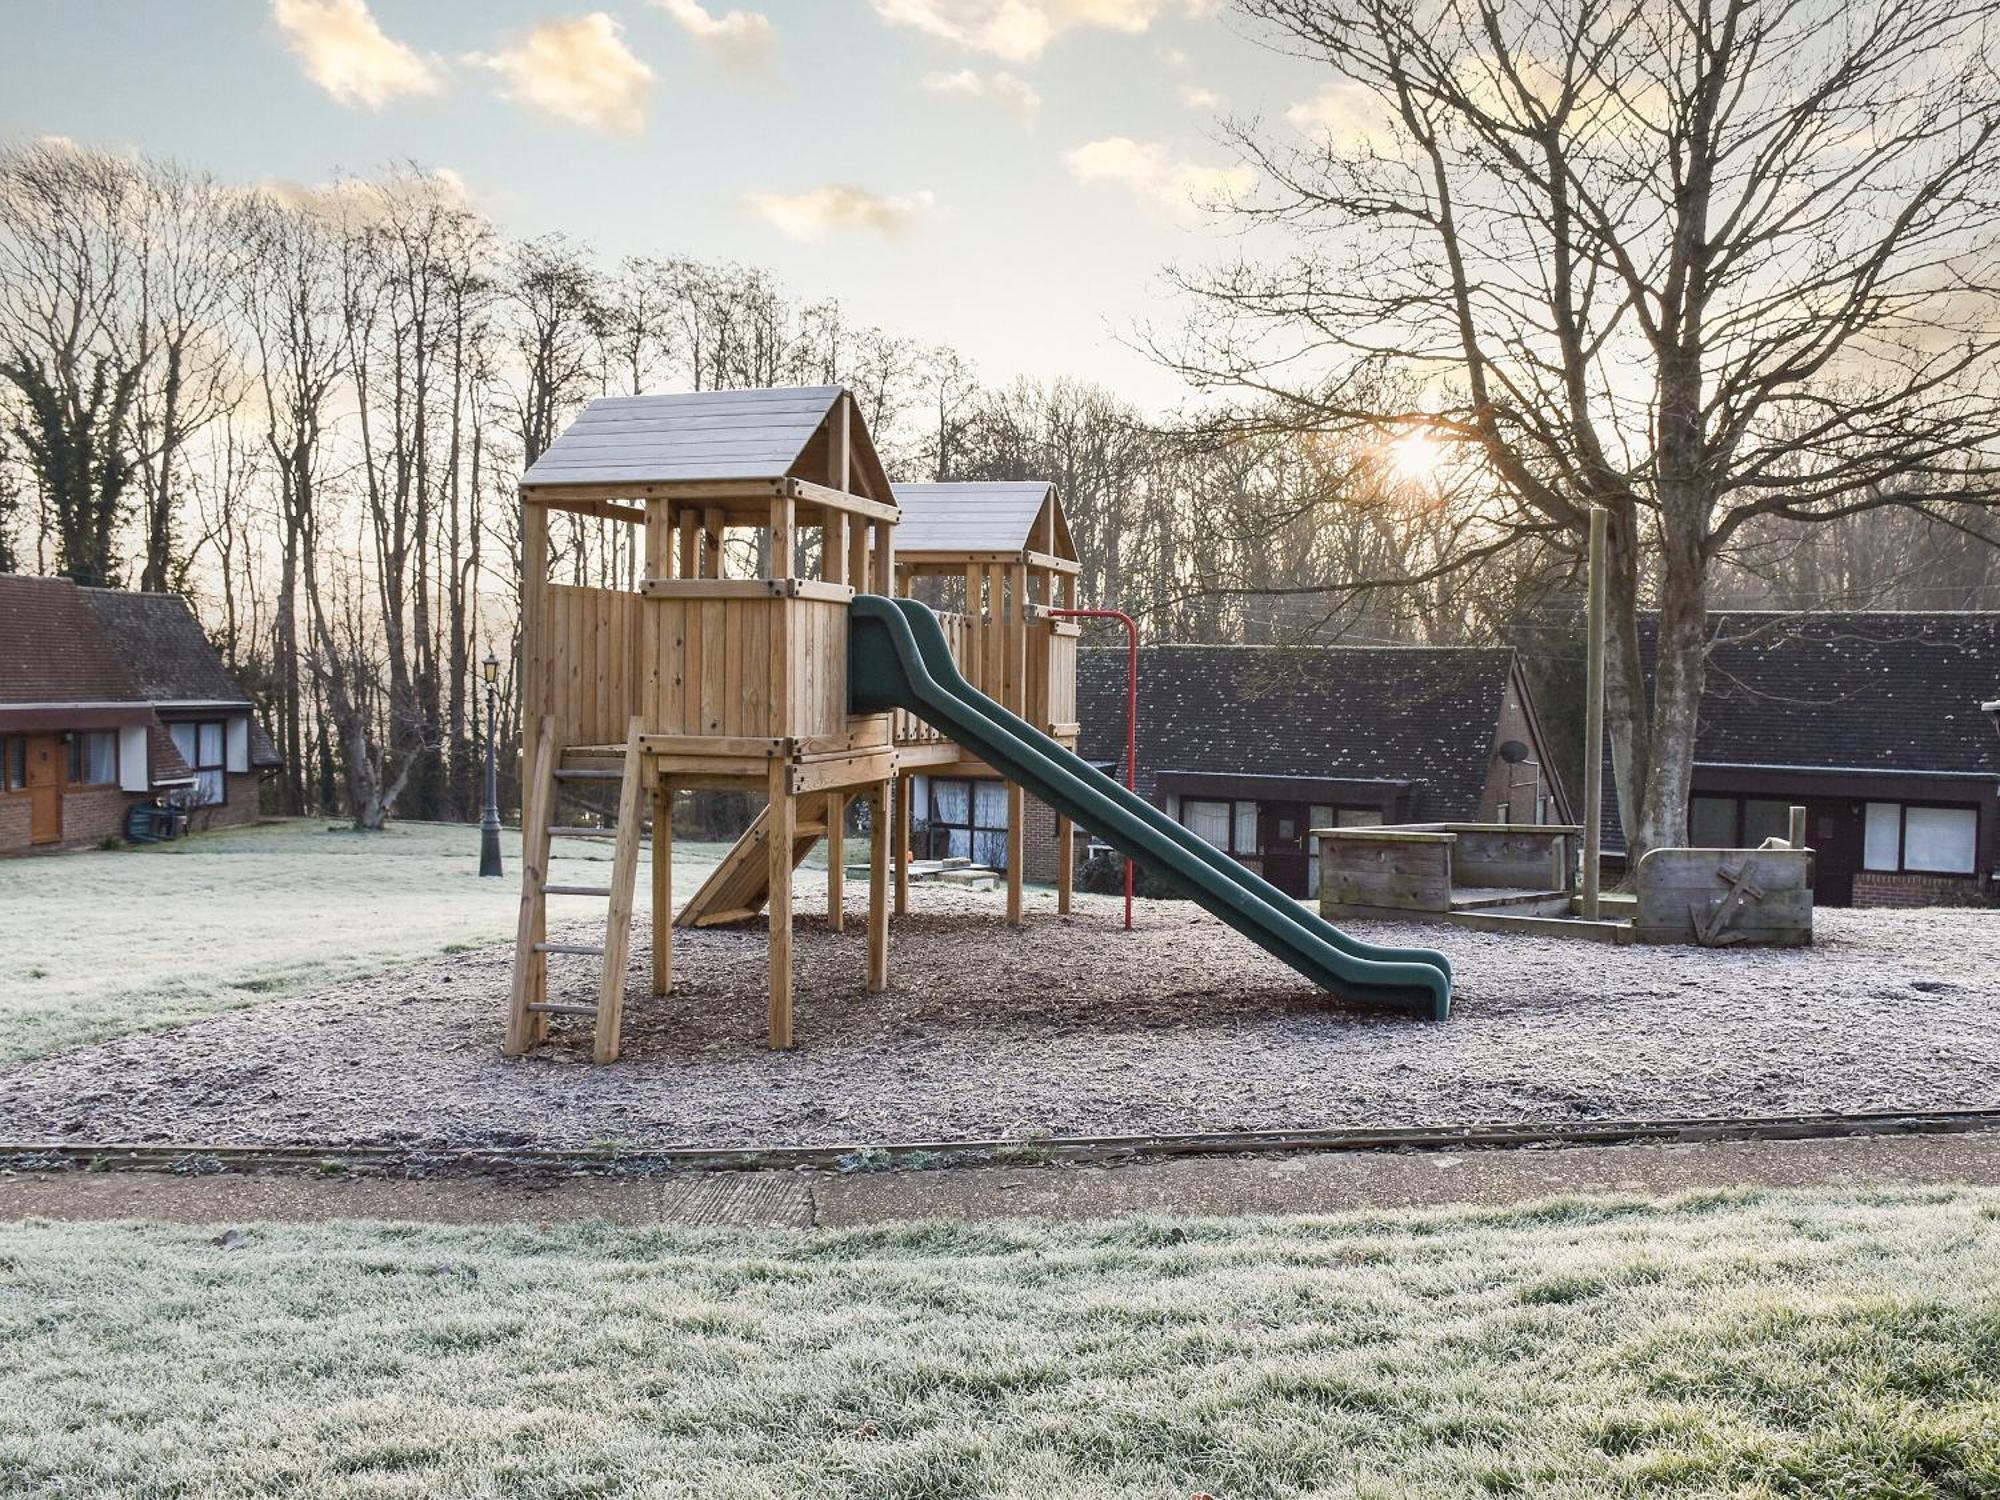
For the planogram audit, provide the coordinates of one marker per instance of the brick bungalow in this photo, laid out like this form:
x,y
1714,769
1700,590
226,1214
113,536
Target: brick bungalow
x,y
1251,746
1874,722
109,699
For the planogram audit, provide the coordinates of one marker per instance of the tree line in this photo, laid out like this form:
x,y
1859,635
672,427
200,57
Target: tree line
x,y
306,409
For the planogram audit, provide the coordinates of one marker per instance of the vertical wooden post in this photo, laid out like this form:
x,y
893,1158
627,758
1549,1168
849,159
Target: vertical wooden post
x,y
1016,700
712,563
836,861
1797,828
663,885
781,827
885,559
639,769
524,1027
690,542
1593,729
659,540
534,686
857,554
833,548
903,844
878,888
1065,864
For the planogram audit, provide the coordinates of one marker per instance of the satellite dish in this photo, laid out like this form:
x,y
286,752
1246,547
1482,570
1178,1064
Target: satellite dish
x,y
1513,752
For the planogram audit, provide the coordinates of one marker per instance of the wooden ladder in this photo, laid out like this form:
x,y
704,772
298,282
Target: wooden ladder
x,y
529,1006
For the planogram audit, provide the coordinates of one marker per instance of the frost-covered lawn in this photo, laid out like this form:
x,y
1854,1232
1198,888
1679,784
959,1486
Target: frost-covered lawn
x,y
105,942
1790,1344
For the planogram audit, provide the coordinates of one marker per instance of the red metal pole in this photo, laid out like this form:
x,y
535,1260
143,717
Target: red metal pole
x,y
1131,710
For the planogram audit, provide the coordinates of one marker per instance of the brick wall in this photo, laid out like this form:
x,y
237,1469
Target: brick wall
x,y
90,817
1038,839
1885,888
241,807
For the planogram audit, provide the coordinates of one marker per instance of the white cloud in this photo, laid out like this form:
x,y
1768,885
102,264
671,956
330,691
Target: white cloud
x,y
1345,113
1018,30
1194,96
577,70
740,38
1151,172
1010,91
813,214
348,55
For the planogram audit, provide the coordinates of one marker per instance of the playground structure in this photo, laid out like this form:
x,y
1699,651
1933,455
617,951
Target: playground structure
x,y
816,680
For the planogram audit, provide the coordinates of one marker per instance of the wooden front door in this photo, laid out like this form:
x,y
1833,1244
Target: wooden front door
x,y
1833,833
45,789
1281,839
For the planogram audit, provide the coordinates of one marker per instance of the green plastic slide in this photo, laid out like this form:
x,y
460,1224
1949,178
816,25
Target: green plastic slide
x,y
898,658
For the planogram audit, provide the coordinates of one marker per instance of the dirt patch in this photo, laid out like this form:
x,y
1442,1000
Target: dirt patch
x,y
1072,1026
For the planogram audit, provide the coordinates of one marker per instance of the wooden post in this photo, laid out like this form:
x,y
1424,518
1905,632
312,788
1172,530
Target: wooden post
x,y
836,861
712,563
780,830
903,844
1065,864
1593,729
659,540
878,888
639,768
885,559
523,1028
534,690
1797,831
1017,814
833,548
663,885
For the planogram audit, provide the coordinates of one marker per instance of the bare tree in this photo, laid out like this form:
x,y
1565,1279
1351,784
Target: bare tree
x,y
1700,262
67,263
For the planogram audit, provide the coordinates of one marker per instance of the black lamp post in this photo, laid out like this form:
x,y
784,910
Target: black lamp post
x,y
489,824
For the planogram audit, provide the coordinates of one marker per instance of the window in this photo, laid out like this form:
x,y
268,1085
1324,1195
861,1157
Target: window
x,y
13,765
969,821
1230,826
200,745
1712,823
1930,840
93,757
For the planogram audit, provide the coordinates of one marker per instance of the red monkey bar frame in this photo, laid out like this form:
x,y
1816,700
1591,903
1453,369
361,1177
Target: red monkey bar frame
x,y
1131,709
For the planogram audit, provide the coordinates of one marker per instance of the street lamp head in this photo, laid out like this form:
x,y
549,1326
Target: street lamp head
x,y
490,668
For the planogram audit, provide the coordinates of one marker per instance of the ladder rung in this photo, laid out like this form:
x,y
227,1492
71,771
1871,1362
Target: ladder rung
x,y
588,775
595,950
576,890
561,1008
585,831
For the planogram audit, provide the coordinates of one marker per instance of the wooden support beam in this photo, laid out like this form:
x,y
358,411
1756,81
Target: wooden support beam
x,y
833,549
624,874
836,861
1065,864
659,540
855,505
1017,815
713,564
885,558
690,543
530,964
878,888
781,823
663,885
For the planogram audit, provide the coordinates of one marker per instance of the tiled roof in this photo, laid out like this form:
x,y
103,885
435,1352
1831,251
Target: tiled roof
x,y
969,517
1374,713
163,643
53,650
1864,691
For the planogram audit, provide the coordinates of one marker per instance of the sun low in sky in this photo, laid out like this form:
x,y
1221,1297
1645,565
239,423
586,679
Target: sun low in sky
x,y
1006,176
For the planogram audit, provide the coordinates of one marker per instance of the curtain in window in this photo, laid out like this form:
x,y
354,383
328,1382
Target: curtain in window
x,y
1210,820
1940,840
1882,839
950,802
1246,828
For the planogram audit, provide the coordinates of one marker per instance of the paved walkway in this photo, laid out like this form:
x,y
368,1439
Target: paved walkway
x,y
1307,1183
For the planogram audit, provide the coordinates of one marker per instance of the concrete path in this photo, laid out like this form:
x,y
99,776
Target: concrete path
x,y
1307,1183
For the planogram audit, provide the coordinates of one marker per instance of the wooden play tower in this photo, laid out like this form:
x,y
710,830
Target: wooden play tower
x,y
704,678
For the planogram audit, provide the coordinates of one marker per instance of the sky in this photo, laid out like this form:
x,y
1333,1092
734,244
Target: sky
x,y
1004,176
